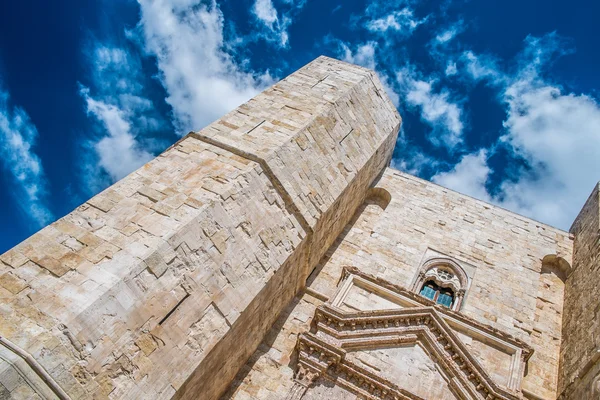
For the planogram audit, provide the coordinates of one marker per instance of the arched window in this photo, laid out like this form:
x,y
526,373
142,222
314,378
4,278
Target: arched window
x,y
443,281
440,295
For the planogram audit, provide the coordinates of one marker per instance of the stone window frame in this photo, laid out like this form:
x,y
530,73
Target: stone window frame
x,y
429,272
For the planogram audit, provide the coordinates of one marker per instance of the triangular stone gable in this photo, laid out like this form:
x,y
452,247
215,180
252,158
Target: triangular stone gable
x,y
408,366
341,331
496,362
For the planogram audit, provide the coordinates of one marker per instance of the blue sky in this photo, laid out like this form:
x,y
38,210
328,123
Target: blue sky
x,y
499,99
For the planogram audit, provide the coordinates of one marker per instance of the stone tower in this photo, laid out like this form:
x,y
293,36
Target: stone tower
x,y
273,255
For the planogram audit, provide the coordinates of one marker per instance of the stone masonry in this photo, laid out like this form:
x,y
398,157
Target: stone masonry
x,y
273,255
580,352
503,254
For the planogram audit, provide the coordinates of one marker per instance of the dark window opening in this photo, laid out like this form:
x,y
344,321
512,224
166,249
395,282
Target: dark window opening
x,y
440,295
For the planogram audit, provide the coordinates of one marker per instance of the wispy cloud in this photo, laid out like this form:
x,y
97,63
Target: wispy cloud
x,y
449,33
401,21
440,47
265,12
468,176
451,68
438,108
202,80
17,139
363,55
554,131
482,67
124,118
118,153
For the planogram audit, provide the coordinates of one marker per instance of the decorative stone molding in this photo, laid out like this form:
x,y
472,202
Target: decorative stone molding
x,y
304,378
405,298
335,332
446,273
443,278
312,350
417,320
34,374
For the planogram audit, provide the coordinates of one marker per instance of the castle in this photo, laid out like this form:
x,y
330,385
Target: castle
x,y
274,255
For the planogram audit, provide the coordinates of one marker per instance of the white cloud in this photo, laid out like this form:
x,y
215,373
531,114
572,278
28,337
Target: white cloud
x,y
449,34
554,131
402,21
17,138
265,13
437,109
468,176
558,135
445,36
125,118
482,67
118,153
202,81
107,57
363,56
451,68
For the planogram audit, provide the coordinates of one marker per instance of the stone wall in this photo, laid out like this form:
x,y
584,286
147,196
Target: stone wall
x,y
580,352
215,255
501,252
165,283
13,385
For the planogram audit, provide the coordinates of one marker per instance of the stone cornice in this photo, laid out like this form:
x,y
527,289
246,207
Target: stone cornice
x,y
526,348
334,332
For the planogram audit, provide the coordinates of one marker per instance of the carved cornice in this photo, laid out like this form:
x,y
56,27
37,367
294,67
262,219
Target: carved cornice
x,y
315,354
438,277
449,264
335,332
526,348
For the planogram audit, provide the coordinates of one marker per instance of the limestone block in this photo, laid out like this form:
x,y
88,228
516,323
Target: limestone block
x,y
12,283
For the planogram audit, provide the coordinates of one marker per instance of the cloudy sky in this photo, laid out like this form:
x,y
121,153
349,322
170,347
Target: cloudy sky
x,y
499,99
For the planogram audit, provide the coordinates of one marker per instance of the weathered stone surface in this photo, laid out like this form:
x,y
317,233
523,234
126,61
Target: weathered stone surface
x,y
272,255
501,252
12,283
145,290
580,352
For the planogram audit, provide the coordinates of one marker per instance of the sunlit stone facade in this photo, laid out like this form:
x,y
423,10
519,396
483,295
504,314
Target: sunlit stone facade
x,y
275,255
